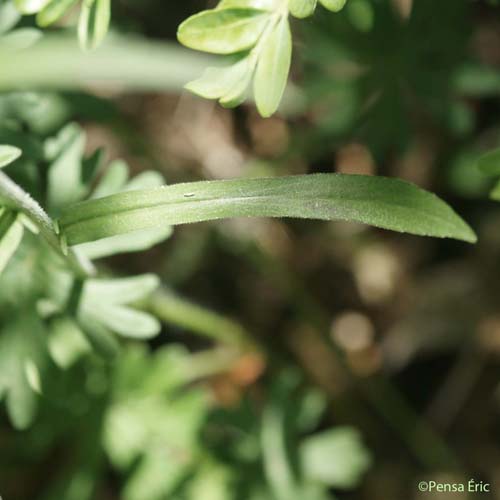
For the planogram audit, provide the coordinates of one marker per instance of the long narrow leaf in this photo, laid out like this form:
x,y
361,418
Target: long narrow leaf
x,y
382,202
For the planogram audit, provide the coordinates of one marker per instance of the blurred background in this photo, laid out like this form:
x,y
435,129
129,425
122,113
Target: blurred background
x,y
297,360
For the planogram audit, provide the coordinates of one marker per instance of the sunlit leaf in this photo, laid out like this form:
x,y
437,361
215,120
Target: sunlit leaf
x,y
216,83
137,241
104,302
53,11
223,31
11,234
336,457
94,21
9,16
272,69
21,38
255,4
333,5
8,154
378,201
30,6
302,8
65,182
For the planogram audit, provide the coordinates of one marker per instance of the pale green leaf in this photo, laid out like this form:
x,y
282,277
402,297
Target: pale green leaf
x,y
145,180
8,154
138,241
65,183
219,82
32,374
53,11
223,31
66,342
30,6
333,5
378,201
21,38
238,92
270,5
11,234
113,180
93,24
120,291
273,67
336,458
22,354
100,338
125,321
9,16
302,8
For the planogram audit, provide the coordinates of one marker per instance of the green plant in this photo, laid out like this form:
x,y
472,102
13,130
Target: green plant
x,y
258,33
120,216
63,310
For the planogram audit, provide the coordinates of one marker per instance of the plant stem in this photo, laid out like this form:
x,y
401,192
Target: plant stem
x,y
171,308
16,198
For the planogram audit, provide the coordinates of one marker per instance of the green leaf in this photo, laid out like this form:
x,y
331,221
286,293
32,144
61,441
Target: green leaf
x,y
302,8
336,458
216,83
8,154
223,31
270,5
125,321
100,338
333,5
145,180
66,342
53,12
120,291
11,234
273,68
379,201
238,92
30,6
22,345
93,24
495,192
21,38
138,241
113,180
104,303
489,163
65,183
9,16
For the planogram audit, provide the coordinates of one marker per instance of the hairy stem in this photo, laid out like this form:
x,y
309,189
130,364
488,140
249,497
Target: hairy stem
x,y
12,196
